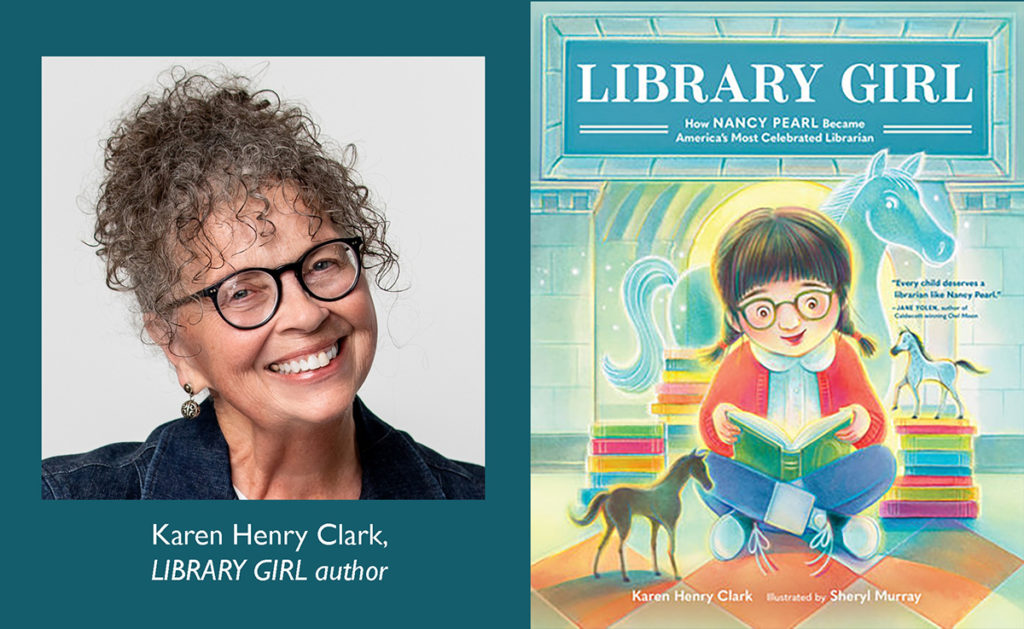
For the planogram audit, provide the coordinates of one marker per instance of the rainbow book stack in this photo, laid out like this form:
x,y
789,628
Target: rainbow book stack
x,y
680,392
937,457
623,452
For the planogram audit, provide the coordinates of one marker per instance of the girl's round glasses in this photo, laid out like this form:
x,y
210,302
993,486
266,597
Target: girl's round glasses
x,y
810,304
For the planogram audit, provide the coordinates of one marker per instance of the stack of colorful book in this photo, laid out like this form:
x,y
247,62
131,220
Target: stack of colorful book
x,y
937,457
623,452
680,392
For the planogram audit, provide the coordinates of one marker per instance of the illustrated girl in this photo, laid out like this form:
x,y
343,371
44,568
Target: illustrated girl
x,y
788,355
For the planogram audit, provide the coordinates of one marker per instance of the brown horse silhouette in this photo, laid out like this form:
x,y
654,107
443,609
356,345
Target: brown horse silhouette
x,y
659,503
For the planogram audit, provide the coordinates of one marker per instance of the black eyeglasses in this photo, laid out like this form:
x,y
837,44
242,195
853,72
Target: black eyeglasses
x,y
249,298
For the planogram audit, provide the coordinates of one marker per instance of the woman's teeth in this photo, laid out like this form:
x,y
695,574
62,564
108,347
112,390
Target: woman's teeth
x,y
309,363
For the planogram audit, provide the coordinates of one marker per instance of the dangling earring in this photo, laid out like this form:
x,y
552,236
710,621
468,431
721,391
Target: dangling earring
x,y
190,409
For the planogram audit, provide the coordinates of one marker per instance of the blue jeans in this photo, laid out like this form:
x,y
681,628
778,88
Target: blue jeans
x,y
843,488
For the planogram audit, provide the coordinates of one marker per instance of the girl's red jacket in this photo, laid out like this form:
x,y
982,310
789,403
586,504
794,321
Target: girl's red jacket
x,y
743,381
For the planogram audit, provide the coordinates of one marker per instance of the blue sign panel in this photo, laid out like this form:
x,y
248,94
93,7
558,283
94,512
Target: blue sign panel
x,y
766,99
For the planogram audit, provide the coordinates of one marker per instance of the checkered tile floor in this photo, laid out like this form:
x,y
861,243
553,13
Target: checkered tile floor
x,y
944,573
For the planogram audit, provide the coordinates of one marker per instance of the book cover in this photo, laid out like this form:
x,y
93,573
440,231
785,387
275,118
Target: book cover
x,y
669,398
656,130
937,470
684,364
679,423
936,430
625,463
933,493
697,389
625,430
911,443
607,479
688,354
695,377
765,446
674,409
929,509
951,458
932,481
627,446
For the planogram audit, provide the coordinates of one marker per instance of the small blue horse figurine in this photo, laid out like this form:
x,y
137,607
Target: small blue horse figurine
x,y
923,367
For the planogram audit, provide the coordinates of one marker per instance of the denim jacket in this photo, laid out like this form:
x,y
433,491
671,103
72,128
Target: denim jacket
x,y
187,459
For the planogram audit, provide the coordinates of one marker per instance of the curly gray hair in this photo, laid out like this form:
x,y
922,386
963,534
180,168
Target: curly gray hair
x,y
204,145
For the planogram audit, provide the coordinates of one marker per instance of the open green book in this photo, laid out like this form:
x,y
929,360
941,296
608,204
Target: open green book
x,y
764,446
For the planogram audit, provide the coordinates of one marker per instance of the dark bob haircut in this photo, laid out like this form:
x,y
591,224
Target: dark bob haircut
x,y
786,243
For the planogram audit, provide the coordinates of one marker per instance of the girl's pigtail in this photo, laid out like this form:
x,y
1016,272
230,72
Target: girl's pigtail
x,y
714,354
867,346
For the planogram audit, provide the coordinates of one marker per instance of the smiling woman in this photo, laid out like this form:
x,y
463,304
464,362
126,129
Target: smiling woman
x,y
250,246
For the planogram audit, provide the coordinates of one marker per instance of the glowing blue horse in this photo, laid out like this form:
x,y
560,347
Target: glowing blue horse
x,y
877,209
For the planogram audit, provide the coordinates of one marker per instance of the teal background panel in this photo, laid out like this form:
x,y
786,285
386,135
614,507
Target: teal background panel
x,y
452,564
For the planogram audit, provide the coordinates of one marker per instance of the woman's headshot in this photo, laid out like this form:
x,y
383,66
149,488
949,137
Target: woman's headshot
x,y
263,272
